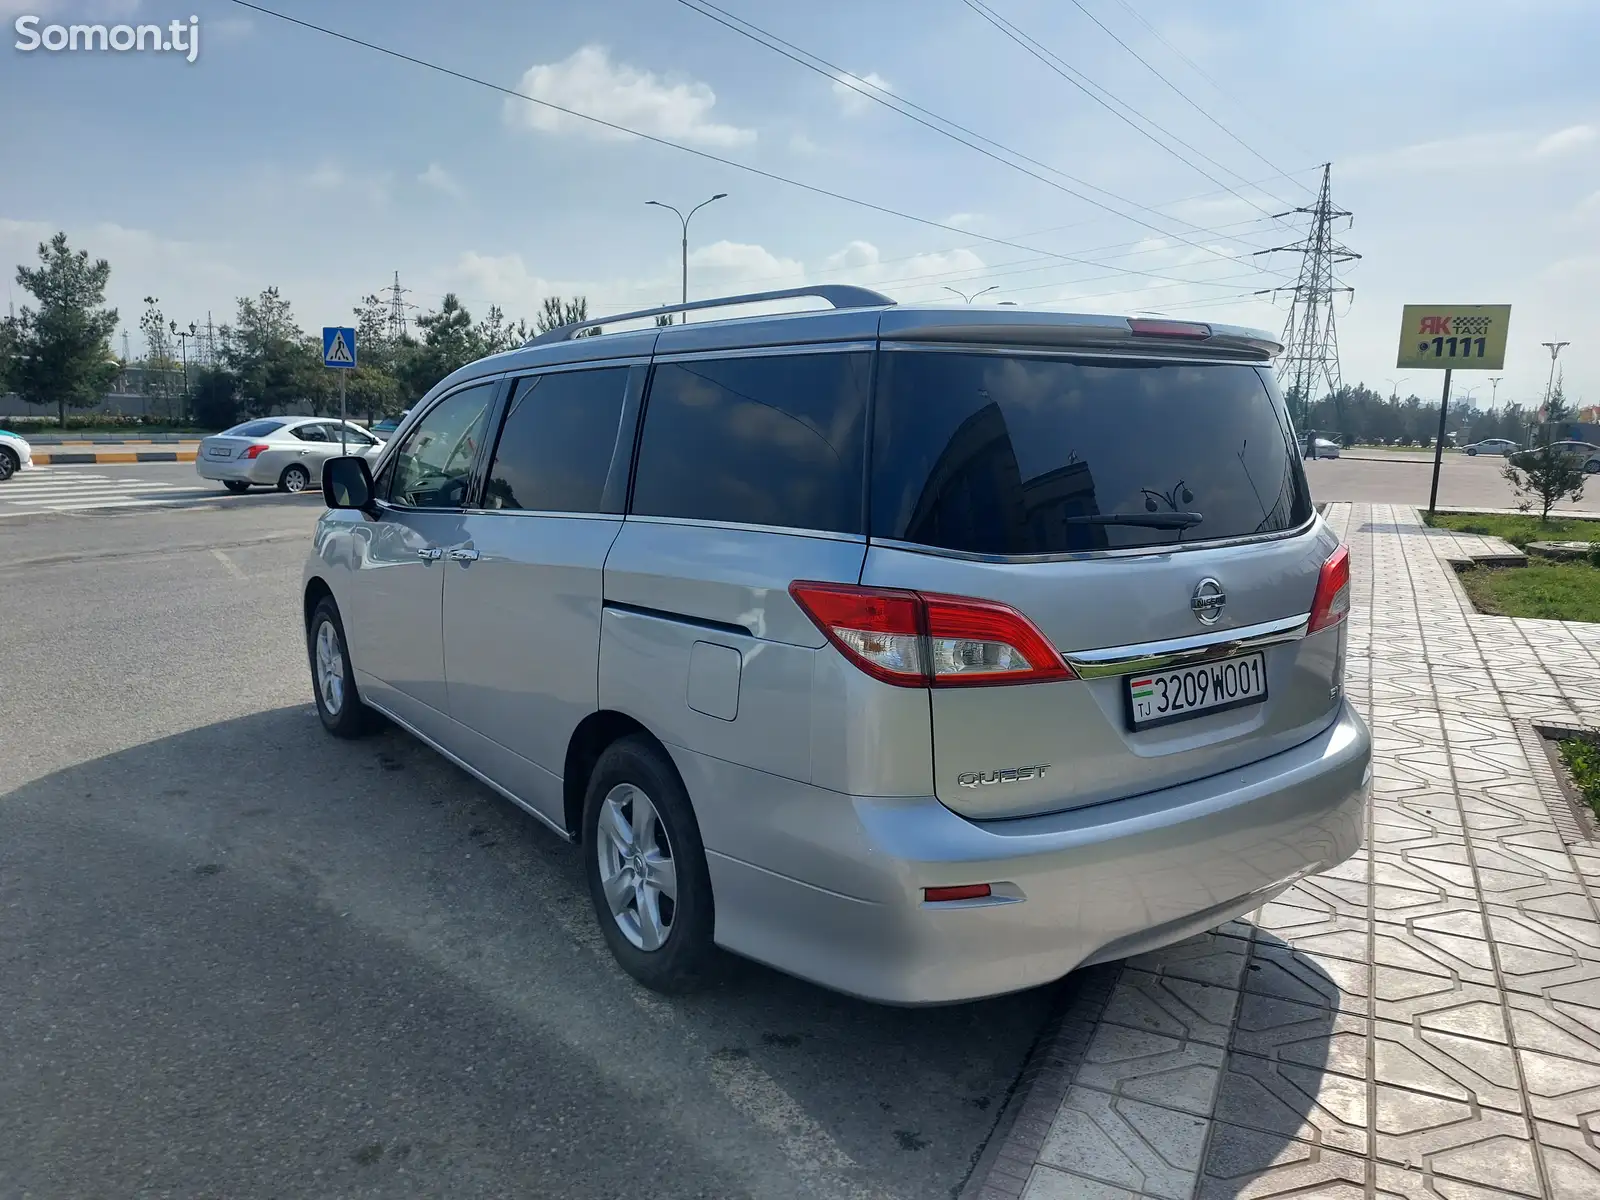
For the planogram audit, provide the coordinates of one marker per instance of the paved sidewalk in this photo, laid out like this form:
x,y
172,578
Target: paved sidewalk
x,y
1423,1021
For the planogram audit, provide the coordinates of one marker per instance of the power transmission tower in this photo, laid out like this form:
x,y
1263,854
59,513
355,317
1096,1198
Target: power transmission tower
x,y
1311,342
397,309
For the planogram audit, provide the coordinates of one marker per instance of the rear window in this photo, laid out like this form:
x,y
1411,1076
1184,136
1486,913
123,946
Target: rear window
x,y
254,429
993,454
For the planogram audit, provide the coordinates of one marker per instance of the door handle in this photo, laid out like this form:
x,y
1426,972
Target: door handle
x,y
430,554
464,554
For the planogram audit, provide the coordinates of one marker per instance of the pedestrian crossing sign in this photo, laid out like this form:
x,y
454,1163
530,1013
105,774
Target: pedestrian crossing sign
x,y
338,346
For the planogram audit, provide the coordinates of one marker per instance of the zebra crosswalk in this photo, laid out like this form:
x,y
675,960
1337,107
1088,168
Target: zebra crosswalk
x,y
59,489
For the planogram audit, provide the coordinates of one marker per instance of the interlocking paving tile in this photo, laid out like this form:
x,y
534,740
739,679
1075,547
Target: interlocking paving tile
x,y
1209,958
1571,1161
1047,1183
1151,1066
1251,1165
1127,1143
1170,1005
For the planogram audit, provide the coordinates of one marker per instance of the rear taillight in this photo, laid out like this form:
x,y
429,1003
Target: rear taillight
x,y
1332,601
1147,327
254,450
912,639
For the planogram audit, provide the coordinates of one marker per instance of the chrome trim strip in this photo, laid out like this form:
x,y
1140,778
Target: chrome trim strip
x,y
1161,352
586,364
526,512
696,523
1184,652
1091,555
471,770
665,357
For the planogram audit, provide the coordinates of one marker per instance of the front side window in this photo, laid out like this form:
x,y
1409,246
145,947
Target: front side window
x,y
766,440
433,466
557,442
1010,455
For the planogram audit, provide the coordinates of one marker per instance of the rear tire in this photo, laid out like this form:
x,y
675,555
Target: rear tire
x,y
646,868
9,463
236,486
333,682
1472,453
1592,467
294,480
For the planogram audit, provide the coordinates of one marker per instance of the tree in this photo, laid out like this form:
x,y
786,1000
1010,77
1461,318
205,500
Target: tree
x,y
1544,475
268,355
495,334
663,320
449,341
159,365
8,351
374,386
215,404
555,312
61,351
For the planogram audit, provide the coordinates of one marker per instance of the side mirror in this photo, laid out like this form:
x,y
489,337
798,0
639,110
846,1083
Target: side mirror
x,y
347,483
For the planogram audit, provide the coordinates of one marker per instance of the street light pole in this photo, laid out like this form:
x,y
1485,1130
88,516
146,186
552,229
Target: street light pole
x,y
975,295
684,244
1494,392
1555,349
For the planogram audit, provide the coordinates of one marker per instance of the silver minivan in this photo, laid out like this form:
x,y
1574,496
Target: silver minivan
x,y
925,653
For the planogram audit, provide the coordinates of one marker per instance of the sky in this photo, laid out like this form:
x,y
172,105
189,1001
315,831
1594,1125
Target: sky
x,y
1138,153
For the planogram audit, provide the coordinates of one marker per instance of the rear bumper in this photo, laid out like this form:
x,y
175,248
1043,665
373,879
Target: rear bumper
x,y
829,887
242,470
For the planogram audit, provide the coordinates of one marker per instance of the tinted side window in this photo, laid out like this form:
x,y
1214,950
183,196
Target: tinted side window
x,y
1011,455
315,432
776,440
556,444
433,467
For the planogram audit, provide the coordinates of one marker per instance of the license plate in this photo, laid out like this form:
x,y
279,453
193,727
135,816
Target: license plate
x,y
1161,697
218,452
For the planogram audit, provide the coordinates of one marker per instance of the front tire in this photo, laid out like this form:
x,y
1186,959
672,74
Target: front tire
x,y
646,868
1592,467
294,480
333,681
10,464
237,486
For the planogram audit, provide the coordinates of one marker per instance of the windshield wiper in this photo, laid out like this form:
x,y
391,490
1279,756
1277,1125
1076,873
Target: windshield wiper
x,y
1159,520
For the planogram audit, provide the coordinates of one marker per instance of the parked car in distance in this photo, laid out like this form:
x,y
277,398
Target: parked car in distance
x,y
386,427
15,454
884,645
1585,452
1500,446
282,452
1323,448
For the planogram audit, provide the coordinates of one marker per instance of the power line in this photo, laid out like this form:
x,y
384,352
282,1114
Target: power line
x,y
1073,76
814,189
906,108
1185,95
1198,70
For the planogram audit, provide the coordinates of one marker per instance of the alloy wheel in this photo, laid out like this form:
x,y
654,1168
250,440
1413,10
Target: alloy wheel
x,y
637,871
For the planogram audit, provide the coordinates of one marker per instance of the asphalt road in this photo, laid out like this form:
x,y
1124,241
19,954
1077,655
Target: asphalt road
x,y
1396,477
239,958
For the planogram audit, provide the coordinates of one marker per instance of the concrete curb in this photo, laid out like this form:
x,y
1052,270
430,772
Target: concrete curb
x,y
109,439
87,457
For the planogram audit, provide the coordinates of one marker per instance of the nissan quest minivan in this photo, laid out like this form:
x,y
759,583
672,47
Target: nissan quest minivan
x,y
924,653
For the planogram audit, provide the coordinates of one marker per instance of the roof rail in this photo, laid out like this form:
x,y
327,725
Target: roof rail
x,y
840,295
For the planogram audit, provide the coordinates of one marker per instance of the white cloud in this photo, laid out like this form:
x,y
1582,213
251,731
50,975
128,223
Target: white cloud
x,y
799,143
1564,141
963,220
331,177
442,181
589,82
723,264
854,91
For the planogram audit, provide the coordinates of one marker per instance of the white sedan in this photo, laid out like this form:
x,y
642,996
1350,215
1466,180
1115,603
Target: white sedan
x,y
282,452
1502,446
15,454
